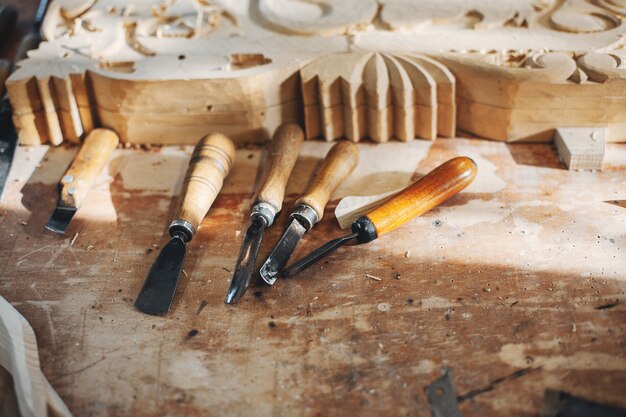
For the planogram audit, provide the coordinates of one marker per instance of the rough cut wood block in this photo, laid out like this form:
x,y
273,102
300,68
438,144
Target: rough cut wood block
x,y
581,148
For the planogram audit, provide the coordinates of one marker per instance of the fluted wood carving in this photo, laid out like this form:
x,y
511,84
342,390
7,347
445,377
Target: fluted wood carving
x,y
171,71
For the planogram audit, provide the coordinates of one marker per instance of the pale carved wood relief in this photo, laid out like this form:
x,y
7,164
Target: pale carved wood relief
x,y
168,72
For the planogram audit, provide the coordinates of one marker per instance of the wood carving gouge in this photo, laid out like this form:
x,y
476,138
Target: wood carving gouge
x,y
283,152
340,161
80,176
210,163
434,188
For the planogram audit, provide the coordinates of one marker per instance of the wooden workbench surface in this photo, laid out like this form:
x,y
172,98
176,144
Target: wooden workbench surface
x,y
524,269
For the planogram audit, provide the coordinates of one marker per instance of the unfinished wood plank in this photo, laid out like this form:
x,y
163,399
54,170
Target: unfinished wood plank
x,y
581,148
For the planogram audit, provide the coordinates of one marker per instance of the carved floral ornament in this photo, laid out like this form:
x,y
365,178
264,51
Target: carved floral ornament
x,y
113,30
574,42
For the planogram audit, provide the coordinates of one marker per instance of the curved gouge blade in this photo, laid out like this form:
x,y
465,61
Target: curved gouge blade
x,y
317,254
247,258
283,152
160,286
283,250
60,219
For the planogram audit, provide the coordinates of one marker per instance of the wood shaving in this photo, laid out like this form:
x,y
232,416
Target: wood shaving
x,y
407,254
184,273
74,239
24,223
375,278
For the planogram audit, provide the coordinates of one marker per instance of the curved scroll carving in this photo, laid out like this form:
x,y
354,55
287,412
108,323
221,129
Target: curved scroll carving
x,y
580,16
379,96
475,14
317,17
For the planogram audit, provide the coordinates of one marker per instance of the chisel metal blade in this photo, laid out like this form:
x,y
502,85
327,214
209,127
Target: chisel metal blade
x,y
317,254
158,291
247,258
60,219
283,250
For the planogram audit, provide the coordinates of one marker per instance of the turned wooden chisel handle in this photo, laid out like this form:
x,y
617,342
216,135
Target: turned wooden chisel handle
x,y
210,163
340,161
89,162
283,151
434,188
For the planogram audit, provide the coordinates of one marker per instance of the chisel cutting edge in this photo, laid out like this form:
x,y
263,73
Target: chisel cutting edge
x,y
434,188
283,152
338,164
80,176
210,163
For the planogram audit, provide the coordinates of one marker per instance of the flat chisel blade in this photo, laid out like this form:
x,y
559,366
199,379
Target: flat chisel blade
x,y
283,250
60,219
158,291
247,257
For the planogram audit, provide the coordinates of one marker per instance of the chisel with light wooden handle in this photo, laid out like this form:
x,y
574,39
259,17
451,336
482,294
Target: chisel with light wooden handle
x,y
340,161
80,176
428,192
210,163
282,155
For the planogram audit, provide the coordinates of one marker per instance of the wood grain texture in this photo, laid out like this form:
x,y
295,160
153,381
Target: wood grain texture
x,y
19,356
210,163
509,274
169,73
283,152
340,161
428,192
90,160
581,148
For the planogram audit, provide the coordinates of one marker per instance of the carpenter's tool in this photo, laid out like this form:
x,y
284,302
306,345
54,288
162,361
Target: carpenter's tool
x,y
8,133
283,152
431,190
210,163
80,176
338,164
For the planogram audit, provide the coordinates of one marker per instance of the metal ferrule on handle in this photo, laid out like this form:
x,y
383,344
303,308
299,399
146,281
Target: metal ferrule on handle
x,y
182,228
305,215
264,211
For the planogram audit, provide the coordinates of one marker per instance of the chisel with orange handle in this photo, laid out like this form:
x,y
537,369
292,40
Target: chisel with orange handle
x,y
428,192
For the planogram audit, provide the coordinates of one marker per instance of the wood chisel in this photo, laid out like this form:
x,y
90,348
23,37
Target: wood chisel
x,y
210,163
340,161
80,176
283,152
434,188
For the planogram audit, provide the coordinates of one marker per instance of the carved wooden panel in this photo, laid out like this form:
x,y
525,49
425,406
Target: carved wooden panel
x,y
170,71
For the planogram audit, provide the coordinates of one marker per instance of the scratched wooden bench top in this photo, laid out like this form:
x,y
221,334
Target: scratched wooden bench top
x,y
524,269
